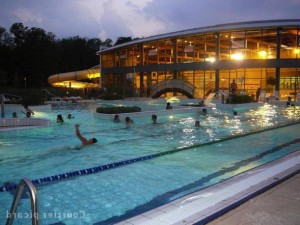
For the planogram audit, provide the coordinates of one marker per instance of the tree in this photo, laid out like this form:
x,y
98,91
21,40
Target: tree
x,y
2,32
19,32
36,54
121,40
107,43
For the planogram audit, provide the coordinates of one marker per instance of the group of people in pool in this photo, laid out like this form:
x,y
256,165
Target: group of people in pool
x,y
128,122
28,112
60,119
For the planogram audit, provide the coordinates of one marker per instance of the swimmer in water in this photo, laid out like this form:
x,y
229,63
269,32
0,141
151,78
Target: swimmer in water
x,y
82,139
154,119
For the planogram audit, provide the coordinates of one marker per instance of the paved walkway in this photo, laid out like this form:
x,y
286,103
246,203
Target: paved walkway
x,y
277,206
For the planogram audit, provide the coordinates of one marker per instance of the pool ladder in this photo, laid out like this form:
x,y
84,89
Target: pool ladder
x,y
33,197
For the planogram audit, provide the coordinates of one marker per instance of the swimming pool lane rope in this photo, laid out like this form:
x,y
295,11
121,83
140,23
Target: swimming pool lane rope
x,y
97,169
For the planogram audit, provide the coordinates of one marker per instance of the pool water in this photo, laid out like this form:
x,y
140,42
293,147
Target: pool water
x,y
112,195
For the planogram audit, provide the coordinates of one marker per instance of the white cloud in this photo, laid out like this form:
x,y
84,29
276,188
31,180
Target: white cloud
x,y
103,35
27,16
122,17
136,19
92,9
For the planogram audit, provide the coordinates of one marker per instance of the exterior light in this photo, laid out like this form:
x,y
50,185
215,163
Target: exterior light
x,y
93,75
237,56
262,54
296,51
210,59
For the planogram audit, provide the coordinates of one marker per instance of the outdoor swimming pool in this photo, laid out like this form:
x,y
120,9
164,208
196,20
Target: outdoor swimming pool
x,y
105,197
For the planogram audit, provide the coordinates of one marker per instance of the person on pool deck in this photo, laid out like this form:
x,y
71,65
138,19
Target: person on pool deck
x,y
82,139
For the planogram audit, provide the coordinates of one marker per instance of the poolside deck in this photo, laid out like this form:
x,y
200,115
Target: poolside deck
x,y
249,198
277,206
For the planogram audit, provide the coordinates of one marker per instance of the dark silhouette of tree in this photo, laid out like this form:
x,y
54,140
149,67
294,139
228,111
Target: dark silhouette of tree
x,y
19,33
4,57
107,43
36,54
2,32
121,40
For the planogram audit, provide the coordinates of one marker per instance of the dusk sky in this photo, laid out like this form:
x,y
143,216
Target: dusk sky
x,y
138,18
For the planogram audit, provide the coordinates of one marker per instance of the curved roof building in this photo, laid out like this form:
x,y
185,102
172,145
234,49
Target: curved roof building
x,y
196,62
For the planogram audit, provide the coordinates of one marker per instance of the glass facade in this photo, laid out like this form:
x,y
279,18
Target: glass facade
x,y
209,60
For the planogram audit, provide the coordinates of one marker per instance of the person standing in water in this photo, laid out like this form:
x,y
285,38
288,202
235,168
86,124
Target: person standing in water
x,y
169,106
154,119
197,123
59,119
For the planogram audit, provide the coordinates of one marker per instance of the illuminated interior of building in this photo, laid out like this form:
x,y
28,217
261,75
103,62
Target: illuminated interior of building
x,y
260,54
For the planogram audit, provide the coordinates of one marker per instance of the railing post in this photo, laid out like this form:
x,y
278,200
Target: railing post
x,y
171,84
33,198
2,106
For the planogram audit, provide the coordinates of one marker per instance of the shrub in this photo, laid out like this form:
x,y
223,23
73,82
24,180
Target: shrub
x,y
118,109
111,96
271,81
238,99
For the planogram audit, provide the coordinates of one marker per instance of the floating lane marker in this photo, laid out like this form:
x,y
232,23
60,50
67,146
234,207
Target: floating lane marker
x,y
97,169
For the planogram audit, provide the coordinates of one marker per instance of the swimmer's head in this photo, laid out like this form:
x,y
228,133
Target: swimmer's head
x,y
94,140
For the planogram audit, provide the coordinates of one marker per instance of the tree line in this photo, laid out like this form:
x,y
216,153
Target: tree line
x,y
34,54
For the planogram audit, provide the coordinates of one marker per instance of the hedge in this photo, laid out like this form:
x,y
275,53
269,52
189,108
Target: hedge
x,y
118,109
238,99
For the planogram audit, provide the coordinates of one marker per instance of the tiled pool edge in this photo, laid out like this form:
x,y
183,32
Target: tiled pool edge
x,y
9,124
17,123
206,205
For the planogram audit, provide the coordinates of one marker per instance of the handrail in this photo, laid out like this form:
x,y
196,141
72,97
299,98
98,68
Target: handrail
x,y
33,197
181,84
47,92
